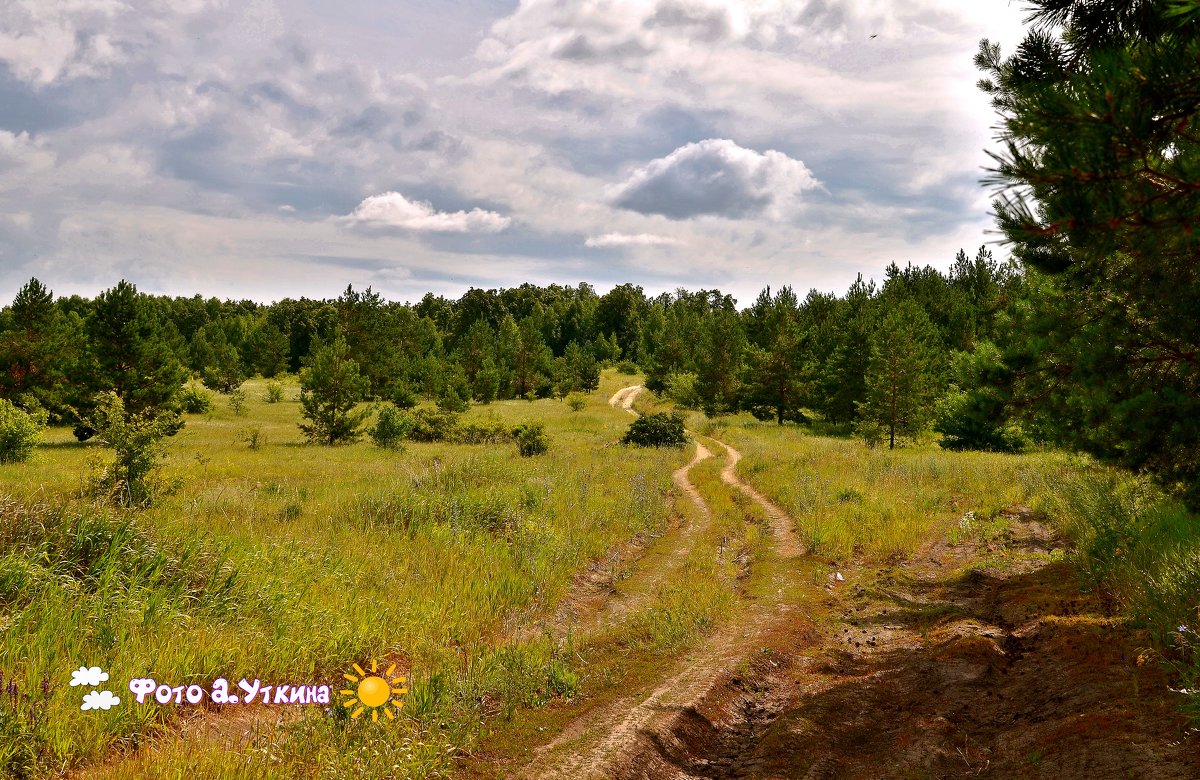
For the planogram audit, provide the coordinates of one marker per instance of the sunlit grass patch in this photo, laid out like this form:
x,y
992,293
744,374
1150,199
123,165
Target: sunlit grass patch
x,y
293,561
850,501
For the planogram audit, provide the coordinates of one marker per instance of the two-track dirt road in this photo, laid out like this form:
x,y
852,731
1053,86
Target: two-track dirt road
x,y
933,667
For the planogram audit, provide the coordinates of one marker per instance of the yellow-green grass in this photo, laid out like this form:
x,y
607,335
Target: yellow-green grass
x,y
850,501
289,562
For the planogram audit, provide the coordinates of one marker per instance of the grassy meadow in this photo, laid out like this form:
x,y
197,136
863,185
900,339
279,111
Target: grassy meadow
x,y
290,562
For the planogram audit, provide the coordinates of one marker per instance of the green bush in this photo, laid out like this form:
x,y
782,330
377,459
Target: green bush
x,y
403,396
660,429
682,390
628,367
392,427
252,436
576,401
485,431
193,400
451,401
136,442
237,401
432,424
19,433
531,439
274,393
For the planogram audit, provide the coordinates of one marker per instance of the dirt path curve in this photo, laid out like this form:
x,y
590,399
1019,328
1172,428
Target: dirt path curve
x,y
614,739
623,399
594,600
787,543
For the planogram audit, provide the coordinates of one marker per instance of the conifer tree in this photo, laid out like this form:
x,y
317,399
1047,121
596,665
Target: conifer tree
x,y
900,386
330,388
779,379
129,356
37,351
1100,170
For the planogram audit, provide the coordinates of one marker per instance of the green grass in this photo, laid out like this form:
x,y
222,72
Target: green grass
x,y
290,562
854,502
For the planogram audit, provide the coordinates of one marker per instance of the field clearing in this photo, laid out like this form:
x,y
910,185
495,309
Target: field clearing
x,y
541,608
853,502
292,562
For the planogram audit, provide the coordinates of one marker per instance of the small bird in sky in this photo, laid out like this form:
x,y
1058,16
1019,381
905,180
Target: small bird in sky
x,y
874,35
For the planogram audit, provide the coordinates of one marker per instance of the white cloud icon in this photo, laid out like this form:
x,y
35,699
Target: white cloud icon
x,y
99,700
88,677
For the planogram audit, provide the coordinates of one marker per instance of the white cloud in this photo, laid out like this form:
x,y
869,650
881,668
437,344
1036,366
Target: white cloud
x,y
715,177
99,700
631,239
88,676
42,42
393,210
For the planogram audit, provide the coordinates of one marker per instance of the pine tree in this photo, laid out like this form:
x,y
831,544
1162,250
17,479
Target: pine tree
x,y
129,354
901,375
1100,165
37,351
330,388
779,379
723,344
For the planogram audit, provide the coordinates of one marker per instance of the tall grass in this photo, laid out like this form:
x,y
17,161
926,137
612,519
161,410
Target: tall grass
x,y
1141,551
852,501
291,562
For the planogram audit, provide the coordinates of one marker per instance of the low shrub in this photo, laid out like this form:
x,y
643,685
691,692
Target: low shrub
x,y
485,431
274,393
237,401
628,367
577,401
451,401
403,396
531,439
193,400
660,429
19,433
392,427
432,424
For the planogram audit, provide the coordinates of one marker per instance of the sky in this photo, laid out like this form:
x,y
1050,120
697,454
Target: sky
x,y
266,149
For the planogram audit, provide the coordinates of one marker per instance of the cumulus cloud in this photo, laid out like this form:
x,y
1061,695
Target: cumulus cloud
x,y
630,239
393,210
715,177
89,676
100,700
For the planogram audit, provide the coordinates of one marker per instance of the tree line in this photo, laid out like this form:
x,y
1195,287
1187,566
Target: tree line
x,y
877,355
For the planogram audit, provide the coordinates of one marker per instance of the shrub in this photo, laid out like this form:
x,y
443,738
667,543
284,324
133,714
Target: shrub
x,y
576,401
237,401
531,439
681,389
485,431
391,427
136,442
432,424
451,401
193,400
660,429
628,367
274,393
974,420
252,435
487,385
19,433
871,432
403,396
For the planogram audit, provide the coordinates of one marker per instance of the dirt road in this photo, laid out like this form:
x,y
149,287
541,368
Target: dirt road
x,y
977,659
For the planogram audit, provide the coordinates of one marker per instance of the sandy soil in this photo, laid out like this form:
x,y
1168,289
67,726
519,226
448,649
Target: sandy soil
x,y
977,659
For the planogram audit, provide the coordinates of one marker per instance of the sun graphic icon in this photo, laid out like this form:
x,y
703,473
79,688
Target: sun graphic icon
x,y
374,692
